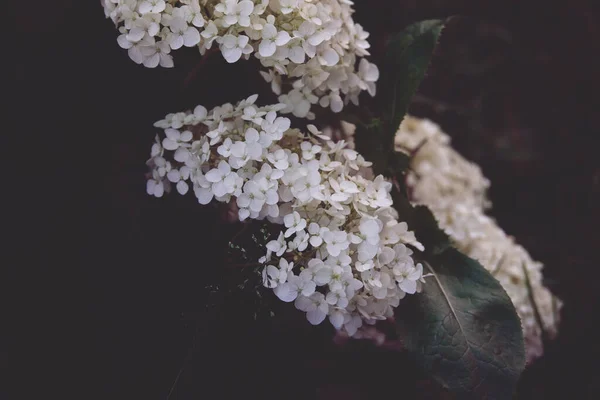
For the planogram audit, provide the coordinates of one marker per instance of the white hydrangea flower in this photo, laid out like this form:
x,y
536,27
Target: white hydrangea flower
x,y
233,47
455,190
312,47
182,34
151,6
339,256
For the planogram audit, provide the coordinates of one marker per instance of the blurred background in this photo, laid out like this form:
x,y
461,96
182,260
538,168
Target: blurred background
x,y
514,83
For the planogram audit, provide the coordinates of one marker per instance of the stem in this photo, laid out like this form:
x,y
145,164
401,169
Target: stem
x,y
418,148
498,265
244,227
536,311
179,374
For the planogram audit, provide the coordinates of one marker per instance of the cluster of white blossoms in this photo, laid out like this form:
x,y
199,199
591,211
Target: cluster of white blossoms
x,y
439,173
310,48
455,190
341,252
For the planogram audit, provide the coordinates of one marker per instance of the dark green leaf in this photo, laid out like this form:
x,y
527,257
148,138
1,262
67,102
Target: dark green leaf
x,y
369,143
399,162
422,221
351,117
463,329
429,233
408,54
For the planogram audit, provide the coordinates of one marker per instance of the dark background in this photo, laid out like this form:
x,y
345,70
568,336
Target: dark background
x,y
515,83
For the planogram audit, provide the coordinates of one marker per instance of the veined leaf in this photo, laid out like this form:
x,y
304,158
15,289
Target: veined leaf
x,y
422,221
407,57
408,54
463,329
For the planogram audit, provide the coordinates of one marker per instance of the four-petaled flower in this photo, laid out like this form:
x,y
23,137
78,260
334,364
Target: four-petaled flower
x,y
294,223
182,34
233,47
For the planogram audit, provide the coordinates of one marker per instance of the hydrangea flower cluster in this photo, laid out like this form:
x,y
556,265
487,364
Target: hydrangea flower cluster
x,y
455,190
310,48
437,170
341,254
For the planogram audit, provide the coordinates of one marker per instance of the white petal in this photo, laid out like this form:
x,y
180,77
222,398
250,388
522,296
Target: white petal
x,y
336,104
303,303
186,136
256,205
230,19
315,317
182,187
243,213
166,61
152,61
238,149
150,184
282,38
159,189
123,42
296,55
415,274
231,55
331,57
214,175
272,197
176,41
242,41
198,21
244,21
316,241
245,7
286,292
408,286
219,189
252,135
309,288
269,31
373,73
204,195
267,48
169,144
191,37
136,34
229,41
135,54
331,298
145,7
336,319
339,197
200,112
323,276
243,201
172,134
153,29
174,176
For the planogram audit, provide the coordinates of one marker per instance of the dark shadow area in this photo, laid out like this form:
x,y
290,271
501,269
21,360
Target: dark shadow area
x,y
515,86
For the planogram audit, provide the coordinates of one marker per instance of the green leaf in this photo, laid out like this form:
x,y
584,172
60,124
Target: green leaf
x,y
368,142
422,221
429,233
406,59
399,162
408,54
463,329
